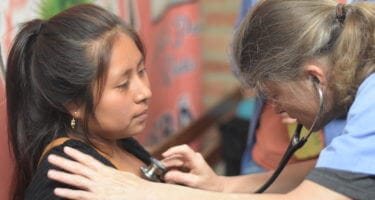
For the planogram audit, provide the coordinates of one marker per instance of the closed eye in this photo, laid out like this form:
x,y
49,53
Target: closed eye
x,y
123,85
142,71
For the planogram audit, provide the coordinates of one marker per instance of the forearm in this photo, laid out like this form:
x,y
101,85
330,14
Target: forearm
x,y
168,191
307,190
289,179
97,181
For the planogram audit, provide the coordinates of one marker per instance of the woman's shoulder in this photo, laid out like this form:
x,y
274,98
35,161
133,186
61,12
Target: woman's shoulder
x,y
41,187
353,149
77,144
367,85
363,107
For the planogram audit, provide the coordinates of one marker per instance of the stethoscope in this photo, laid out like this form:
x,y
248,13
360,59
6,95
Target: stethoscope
x,y
296,142
156,170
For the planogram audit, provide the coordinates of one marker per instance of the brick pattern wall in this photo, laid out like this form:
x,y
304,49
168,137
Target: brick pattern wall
x,y
218,20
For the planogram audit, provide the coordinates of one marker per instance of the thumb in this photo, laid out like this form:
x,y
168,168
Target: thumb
x,y
179,177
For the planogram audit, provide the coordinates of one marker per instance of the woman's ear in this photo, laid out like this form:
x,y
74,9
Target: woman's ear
x,y
315,71
75,109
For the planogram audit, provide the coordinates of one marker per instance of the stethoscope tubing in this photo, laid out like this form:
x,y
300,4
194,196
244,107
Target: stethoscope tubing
x,y
295,143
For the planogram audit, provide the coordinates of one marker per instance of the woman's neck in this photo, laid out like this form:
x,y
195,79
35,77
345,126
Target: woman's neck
x,y
119,157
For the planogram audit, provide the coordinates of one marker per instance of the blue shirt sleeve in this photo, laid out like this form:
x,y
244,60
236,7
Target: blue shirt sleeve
x,y
333,129
354,149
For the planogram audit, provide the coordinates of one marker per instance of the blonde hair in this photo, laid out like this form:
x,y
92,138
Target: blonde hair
x,y
277,36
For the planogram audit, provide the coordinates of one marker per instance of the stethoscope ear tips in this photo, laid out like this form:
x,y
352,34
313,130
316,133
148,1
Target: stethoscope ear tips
x,y
315,80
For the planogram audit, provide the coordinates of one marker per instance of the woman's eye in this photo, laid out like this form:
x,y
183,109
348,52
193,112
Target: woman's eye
x,y
142,70
123,85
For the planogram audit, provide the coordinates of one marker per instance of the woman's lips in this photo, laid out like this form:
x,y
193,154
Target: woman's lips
x,y
141,116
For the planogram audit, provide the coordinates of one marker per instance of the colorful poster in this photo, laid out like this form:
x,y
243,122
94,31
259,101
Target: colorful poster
x,y
170,30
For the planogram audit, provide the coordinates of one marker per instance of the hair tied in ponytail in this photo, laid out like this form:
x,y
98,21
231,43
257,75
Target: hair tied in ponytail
x,y
340,12
39,24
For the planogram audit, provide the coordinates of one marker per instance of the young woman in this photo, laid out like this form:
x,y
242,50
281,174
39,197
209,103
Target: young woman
x,y
77,79
315,59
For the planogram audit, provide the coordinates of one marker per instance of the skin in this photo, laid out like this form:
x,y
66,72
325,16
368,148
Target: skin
x,y
121,111
98,181
286,119
288,99
86,172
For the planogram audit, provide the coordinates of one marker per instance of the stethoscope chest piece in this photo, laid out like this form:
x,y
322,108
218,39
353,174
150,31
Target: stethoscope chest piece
x,y
155,171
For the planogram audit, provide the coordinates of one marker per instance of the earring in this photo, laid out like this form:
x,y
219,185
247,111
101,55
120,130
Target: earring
x,y
73,123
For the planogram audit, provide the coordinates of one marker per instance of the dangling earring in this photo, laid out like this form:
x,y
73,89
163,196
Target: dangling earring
x,y
73,123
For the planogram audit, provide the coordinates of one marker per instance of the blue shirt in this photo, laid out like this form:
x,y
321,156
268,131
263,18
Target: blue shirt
x,y
333,129
354,149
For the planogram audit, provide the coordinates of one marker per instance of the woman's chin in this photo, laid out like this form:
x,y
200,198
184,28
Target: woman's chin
x,y
138,129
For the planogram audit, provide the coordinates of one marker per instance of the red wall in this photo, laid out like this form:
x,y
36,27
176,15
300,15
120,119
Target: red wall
x,y
174,66
5,161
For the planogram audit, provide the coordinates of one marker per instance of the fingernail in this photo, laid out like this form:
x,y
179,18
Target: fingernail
x,y
68,149
58,191
51,158
51,173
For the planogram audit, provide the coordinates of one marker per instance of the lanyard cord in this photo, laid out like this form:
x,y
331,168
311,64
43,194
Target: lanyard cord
x,y
296,143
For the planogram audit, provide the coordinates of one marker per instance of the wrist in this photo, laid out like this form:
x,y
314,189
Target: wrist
x,y
221,184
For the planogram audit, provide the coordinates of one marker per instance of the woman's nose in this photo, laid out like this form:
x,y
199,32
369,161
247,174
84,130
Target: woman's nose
x,y
143,91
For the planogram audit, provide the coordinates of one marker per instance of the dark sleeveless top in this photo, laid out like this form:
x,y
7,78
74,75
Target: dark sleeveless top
x,y
41,187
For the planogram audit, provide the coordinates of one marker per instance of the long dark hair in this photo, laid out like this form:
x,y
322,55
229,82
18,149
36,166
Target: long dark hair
x,y
51,63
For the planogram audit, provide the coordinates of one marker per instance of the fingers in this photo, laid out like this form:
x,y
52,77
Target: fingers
x,y
73,194
69,165
174,161
83,158
178,177
181,157
69,179
180,149
184,152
